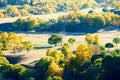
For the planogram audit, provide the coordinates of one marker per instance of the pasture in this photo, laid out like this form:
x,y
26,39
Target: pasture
x,y
40,41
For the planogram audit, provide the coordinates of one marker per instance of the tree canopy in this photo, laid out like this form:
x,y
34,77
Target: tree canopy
x,y
55,39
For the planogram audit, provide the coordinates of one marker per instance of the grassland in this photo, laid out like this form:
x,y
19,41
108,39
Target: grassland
x,y
40,42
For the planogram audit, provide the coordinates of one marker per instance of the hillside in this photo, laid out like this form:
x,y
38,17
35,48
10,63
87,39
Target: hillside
x,y
15,8
26,8
48,16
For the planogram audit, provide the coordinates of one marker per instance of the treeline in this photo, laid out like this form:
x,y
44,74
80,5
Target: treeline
x,y
73,22
89,62
36,7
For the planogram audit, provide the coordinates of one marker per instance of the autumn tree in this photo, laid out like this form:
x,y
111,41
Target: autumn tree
x,y
56,55
89,39
83,54
92,39
99,21
54,70
43,24
13,42
27,45
66,52
4,35
3,60
94,49
4,38
30,23
96,39
12,11
25,24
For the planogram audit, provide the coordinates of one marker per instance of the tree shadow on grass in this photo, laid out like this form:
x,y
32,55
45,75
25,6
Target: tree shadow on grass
x,y
31,64
77,29
111,28
14,59
42,47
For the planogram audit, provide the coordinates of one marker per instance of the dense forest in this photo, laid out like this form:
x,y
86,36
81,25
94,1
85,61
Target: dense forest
x,y
90,61
13,8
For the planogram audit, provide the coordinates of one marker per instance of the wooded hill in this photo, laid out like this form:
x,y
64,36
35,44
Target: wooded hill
x,y
13,8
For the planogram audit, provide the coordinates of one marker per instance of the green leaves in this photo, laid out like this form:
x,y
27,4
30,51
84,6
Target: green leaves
x,y
55,39
109,45
116,40
71,41
3,60
27,45
26,24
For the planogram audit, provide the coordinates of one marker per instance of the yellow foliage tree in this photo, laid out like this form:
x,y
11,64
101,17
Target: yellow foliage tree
x,y
54,70
83,53
89,39
92,39
94,49
96,39
4,35
0,39
55,54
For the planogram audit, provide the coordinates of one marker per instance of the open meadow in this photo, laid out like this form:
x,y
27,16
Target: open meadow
x,y
40,41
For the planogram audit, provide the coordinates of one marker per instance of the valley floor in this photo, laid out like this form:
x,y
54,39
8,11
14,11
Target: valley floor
x,y
40,41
